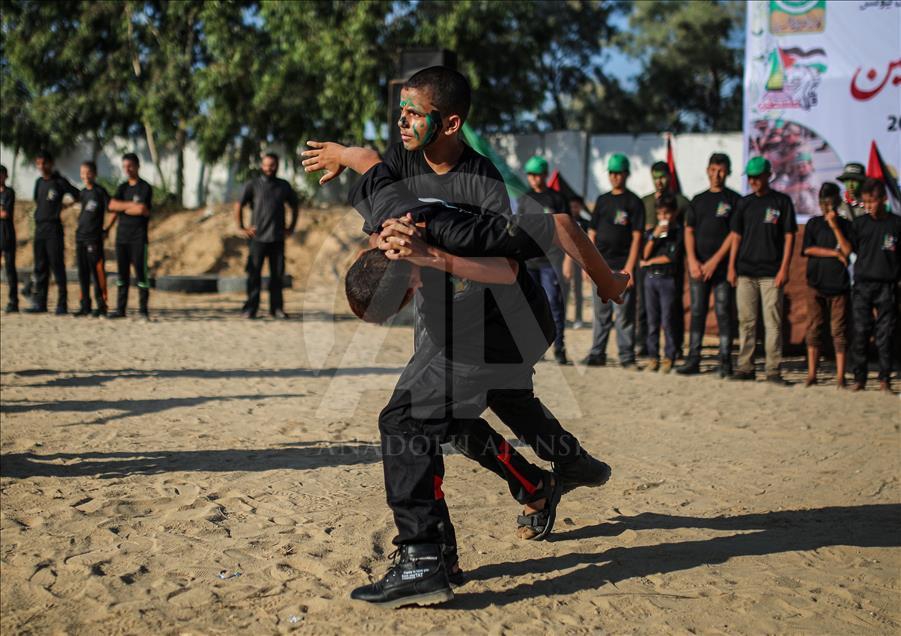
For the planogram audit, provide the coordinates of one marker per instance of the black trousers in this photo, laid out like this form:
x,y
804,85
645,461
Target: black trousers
x,y
275,253
48,256
132,256
867,298
91,267
12,277
723,307
439,400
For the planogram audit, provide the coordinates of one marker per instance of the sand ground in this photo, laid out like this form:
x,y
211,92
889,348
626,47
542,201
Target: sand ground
x,y
141,460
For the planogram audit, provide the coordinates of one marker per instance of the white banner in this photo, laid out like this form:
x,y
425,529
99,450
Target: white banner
x,y
822,82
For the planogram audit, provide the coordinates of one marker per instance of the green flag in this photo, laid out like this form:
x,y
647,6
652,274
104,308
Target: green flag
x,y
515,187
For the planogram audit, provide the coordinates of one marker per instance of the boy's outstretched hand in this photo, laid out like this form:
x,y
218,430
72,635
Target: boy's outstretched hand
x,y
621,280
326,155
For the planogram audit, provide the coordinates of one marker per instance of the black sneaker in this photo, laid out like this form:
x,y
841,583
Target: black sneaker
x,y
418,577
560,357
584,471
725,371
595,361
61,310
689,368
777,379
116,314
629,364
11,309
744,376
82,313
279,314
99,313
249,315
36,309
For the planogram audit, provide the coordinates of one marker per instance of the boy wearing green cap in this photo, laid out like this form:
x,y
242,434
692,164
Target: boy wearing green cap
x,y
546,271
763,228
616,226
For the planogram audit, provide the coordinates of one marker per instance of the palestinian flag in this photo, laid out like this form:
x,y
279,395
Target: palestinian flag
x,y
674,185
878,169
557,183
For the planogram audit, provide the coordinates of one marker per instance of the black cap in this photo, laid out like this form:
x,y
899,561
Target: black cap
x,y
853,172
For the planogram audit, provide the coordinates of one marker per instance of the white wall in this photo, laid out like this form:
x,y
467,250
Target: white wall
x,y
581,159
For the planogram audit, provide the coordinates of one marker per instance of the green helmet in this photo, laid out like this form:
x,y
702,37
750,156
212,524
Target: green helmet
x,y
618,162
536,165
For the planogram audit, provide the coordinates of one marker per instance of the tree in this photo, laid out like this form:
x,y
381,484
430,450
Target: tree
x,y
691,56
522,58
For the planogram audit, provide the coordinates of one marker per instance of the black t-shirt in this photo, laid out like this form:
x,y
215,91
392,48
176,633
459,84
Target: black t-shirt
x,y
267,197
876,243
762,223
48,197
708,215
477,323
826,274
7,225
670,245
545,202
94,204
133,229
614,219
473,184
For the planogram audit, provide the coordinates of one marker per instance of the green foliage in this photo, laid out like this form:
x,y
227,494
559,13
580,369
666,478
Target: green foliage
x,y
240,76
692,64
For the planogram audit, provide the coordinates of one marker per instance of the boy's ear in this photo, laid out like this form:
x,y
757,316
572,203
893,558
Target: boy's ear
x,y
454,125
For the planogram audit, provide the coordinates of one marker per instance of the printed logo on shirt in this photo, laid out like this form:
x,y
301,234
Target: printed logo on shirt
x,y
91,206
51,194
621,218
771,215
136,198
723,209
889,242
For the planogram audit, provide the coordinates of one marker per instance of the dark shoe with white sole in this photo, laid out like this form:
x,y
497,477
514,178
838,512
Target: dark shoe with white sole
x,y
418,577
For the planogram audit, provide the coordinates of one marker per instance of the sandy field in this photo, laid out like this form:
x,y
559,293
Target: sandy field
x,y
201,474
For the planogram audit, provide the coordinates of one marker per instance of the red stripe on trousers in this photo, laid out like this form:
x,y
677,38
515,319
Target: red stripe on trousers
x,y
439,494
504,457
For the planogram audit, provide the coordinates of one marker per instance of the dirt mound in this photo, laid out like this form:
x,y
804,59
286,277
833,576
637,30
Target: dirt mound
x,y
204,241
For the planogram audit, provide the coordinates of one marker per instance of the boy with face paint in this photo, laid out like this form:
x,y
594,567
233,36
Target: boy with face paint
x,y
876,239
852,178
440,377
661,177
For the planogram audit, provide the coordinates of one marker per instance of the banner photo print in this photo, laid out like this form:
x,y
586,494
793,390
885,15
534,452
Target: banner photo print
x,y
822,85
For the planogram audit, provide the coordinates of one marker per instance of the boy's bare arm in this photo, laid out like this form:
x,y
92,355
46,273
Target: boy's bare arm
x,y
570,237
491,270
333,158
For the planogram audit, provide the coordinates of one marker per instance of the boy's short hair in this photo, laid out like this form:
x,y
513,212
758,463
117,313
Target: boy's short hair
x,y
720,159
271,155
873,187
130,156
448,89
377,287
90,165
660,166
666,201
3,169
830,191
45,155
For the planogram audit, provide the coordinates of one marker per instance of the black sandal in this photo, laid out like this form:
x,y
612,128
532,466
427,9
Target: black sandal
x,y
541,522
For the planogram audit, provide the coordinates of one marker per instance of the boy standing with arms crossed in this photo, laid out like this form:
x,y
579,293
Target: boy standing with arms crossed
x,y
132,203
